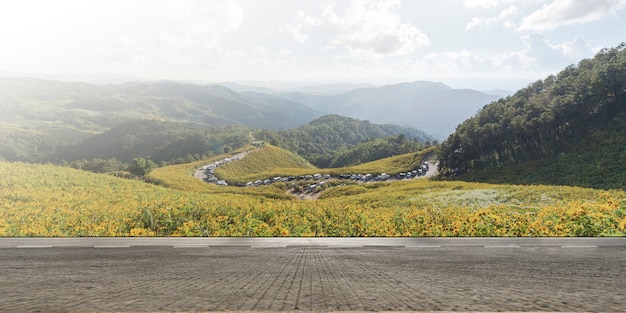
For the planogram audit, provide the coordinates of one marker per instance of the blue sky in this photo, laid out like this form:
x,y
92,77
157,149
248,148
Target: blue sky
x,y
481,44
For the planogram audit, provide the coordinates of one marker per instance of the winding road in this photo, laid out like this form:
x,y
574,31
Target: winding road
x,y
431,172
202,175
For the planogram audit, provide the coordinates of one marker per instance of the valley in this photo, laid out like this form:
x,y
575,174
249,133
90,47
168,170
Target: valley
x,y
123,160
46,200
50,121
309,186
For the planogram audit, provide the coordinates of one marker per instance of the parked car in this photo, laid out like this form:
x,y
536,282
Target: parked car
x,y
382,176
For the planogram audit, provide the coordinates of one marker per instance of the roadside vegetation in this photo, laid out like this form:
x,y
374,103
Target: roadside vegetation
x,y
565,129
272,161
599,161
46,200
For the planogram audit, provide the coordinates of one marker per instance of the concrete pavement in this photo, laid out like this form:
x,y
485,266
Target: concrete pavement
x,y
312,274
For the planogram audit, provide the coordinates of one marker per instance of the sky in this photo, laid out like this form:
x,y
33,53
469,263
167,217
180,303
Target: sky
x,y
479,44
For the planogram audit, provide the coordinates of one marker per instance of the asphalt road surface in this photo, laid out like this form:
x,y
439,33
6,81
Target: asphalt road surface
x,y
300,274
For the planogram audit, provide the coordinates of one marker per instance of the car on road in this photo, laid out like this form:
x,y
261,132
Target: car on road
x,y
382,176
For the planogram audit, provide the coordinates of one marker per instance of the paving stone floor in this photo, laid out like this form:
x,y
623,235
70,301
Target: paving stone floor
x,y
309,278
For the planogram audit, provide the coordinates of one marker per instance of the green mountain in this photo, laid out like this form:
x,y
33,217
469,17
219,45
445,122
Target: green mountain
x,y
326,141
339,141
566,129
41,118
88,107
433,107
158,141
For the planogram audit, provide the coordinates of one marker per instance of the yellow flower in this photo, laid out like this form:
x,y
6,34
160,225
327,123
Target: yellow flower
x,y
622,224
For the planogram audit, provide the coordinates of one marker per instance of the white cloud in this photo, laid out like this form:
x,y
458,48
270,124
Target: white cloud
x,y
304,25
373,29
256,57
297,32
484,3
576,49
86,36
459,59
444,62
183,25
505,18
567,12
541,54
305,39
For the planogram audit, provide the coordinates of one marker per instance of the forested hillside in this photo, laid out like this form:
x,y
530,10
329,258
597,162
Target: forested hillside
x,y
160,141
329,141
371,150
549,119
40,117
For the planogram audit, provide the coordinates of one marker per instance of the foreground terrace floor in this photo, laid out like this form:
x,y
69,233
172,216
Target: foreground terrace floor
x,y
312,274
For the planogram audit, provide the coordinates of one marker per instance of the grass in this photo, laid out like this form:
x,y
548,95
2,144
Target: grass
x,y
271,161
45,200
267,162
390,165
599,161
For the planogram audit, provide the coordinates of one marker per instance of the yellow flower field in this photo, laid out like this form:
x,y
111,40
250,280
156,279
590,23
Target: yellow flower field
x,y
45,200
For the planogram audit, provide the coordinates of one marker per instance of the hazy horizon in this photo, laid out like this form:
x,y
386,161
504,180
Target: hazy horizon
x,y
275,86
474,44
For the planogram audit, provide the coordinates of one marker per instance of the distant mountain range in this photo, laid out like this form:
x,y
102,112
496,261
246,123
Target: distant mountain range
x,y
319,89
403,104
498,92
39,116
433,107
30,101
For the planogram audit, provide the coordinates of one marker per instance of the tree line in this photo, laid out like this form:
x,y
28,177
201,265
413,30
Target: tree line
x,y
546,118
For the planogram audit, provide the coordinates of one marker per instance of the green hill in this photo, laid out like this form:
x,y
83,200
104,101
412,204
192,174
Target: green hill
x,y
50,121
267,162
333,140
598,161
168,142
565,129
159,141
372,150
40,117
390,165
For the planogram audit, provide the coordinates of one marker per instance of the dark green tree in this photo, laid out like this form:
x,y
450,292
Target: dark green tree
x,y
547,118
141,166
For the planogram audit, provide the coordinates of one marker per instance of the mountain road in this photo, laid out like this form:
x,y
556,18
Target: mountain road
x,y
205,173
